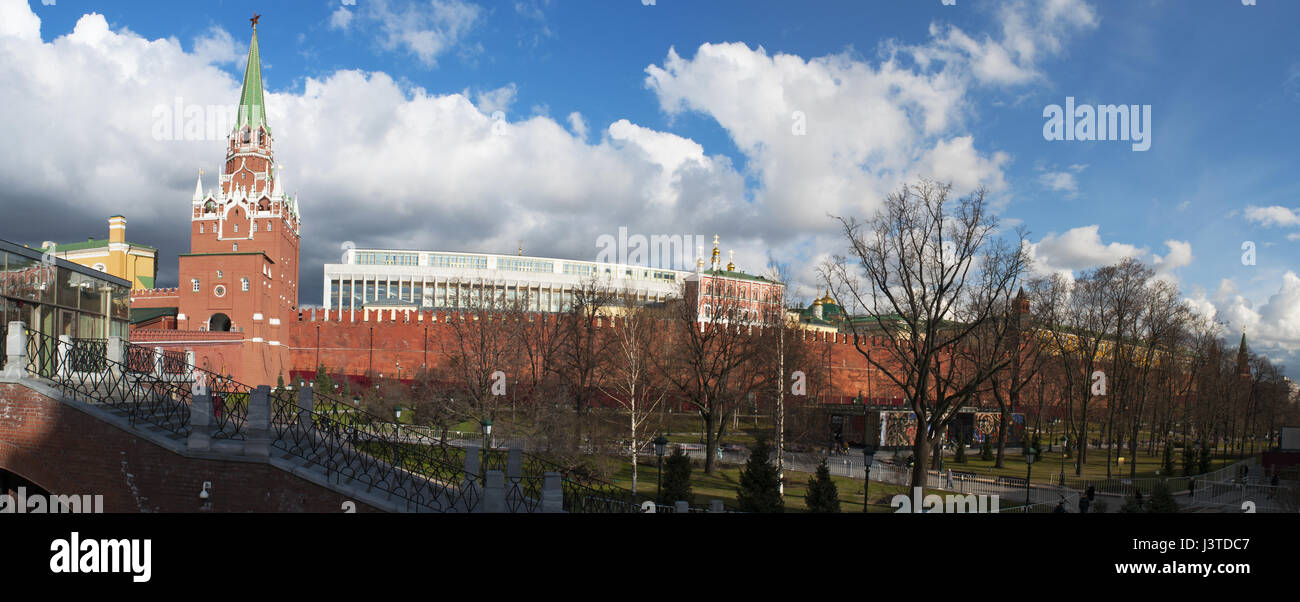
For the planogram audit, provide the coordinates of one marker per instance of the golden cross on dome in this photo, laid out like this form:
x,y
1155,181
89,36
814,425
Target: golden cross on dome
x,y
254,19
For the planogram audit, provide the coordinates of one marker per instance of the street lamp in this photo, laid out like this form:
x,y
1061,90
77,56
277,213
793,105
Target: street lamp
x,y
868,456
1064,440
1030,455
660,445
487,433
397,420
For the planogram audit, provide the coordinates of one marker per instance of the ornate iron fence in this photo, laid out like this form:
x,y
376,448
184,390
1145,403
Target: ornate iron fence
x,y
229,397
358,447
140,397
88,355
139,359
353,445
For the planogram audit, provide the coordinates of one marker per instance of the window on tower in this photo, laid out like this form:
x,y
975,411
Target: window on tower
x,y
195,282
243,284
235,247
200,228
236,228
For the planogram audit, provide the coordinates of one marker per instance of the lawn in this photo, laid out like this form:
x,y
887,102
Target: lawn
x,y
1050,463
722,486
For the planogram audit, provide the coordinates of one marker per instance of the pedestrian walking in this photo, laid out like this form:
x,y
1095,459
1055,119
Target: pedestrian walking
x,y
1138,496
950,478
1092,493
1274,482
1060,508
1083,505
1191,488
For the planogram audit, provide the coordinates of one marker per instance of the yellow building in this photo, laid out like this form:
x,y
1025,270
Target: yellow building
x,y
137,264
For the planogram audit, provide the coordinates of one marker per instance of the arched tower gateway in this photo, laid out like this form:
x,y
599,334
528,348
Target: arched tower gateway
x,y
239,282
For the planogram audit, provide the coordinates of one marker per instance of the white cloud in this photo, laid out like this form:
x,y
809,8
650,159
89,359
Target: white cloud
x,y
1272,327
1060,181
500,99
1030,32
1079,248
1275,215
426,29
18,21
1180,255
218,47
578,125
341,18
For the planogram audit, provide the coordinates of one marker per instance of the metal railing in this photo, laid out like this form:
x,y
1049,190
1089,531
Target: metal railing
x,y
140,397
229,397
158,388
360,448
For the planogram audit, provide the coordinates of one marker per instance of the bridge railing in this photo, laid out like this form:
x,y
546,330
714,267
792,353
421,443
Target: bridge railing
x,y
159,387
84,371
229,397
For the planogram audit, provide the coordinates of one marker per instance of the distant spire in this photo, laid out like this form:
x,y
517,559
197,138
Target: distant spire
x,y
198,187
731,261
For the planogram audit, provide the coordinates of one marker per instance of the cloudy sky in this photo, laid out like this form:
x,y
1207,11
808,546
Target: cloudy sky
x,y
469,126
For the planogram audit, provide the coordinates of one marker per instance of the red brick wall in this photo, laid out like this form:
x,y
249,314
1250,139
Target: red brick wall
x,y
69,452
348,344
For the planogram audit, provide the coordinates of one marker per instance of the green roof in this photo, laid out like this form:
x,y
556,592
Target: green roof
x,y
147,281
145,314
90,244
252,106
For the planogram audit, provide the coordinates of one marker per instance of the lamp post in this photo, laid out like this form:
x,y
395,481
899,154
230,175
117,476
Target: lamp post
x,y
868,456
1030,456
487,433
1064,440
397,420
660,445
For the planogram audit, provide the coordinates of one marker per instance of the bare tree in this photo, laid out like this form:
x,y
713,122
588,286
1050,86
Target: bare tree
x,y
704,352
626,375
481,353
929,273
582,346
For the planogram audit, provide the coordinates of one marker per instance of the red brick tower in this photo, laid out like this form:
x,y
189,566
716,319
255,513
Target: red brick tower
x,y
241,274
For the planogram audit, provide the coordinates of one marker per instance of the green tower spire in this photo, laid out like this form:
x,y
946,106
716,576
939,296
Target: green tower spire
x,y
252,106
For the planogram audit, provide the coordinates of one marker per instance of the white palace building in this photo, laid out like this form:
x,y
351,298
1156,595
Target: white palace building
x,y
398,279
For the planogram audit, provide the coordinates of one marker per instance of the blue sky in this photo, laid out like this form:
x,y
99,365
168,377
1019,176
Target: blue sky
x,y
704,91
